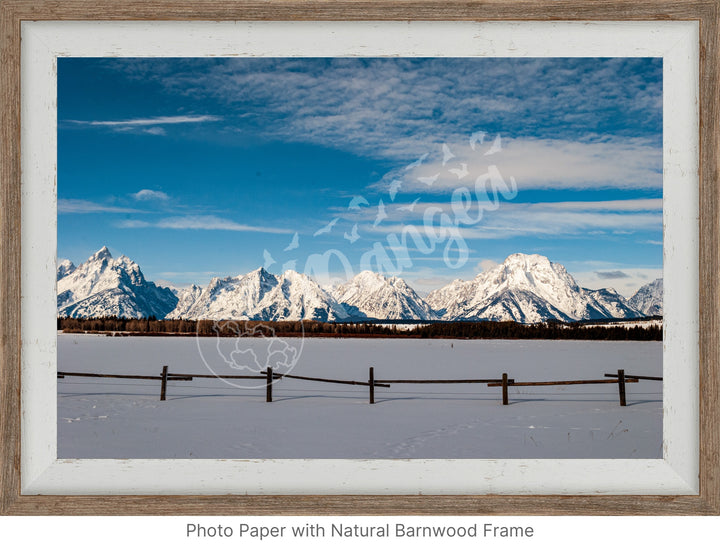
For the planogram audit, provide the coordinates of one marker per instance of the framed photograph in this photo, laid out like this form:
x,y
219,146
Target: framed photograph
x,y
359,258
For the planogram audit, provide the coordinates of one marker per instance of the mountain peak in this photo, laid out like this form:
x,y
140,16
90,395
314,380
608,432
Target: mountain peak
x,y
260,272
526,288
374,295
100,254
526,259
64,267
103,286
649,298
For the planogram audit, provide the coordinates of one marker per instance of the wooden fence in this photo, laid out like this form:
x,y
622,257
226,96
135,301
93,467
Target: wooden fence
x,y
270,377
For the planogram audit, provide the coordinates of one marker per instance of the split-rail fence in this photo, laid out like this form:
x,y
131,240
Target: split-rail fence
x,y
270,377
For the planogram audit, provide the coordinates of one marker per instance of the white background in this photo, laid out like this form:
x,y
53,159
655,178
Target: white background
x,y
559,534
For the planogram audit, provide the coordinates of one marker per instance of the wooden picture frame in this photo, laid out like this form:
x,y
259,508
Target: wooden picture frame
x,y
14,502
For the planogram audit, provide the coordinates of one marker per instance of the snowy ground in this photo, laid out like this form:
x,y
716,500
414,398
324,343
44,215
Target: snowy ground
x,y
206,418
627,324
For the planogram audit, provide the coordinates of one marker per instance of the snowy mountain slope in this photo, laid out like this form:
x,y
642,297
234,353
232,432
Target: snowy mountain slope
x,y
186,298
512,304
260,295
372,295
613,304
299,297
526,288
649,298
103,286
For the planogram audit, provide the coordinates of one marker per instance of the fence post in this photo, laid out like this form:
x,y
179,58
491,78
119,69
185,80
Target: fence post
x,y
268,386
371,384
505,388
163,384
621,387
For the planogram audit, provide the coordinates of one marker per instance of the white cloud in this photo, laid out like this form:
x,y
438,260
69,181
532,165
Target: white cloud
x,y
210,222
398,108
132,223
148,195
81,206
506,223
151,121
510,219
653,204
544,164
156,131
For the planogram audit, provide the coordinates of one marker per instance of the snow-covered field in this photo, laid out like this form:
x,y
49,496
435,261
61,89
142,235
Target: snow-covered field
x,y
627,324
208,418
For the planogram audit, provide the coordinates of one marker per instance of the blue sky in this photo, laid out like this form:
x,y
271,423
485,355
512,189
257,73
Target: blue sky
x,y
197,168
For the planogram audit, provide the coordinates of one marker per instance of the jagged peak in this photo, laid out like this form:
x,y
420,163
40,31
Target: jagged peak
x,y
126,261
261,273
100,254
64,267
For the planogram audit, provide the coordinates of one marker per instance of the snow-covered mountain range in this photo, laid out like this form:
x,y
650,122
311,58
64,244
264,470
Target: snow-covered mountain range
x,y
524,288
259,295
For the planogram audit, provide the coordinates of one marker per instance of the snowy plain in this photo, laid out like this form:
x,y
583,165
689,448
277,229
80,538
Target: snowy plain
x,y
212,418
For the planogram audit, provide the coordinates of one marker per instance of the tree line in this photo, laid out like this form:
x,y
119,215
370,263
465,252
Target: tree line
x,y
457,330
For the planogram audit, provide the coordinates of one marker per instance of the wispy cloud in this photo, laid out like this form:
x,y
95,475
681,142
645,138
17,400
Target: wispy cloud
x,y
628,163
397,108
522,219
201,222
80,206
155,131
132,223
151,121
652,204
484,212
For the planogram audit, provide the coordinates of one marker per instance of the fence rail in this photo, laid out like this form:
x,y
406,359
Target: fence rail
x,y
271,377
174,377
653,378
278,375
